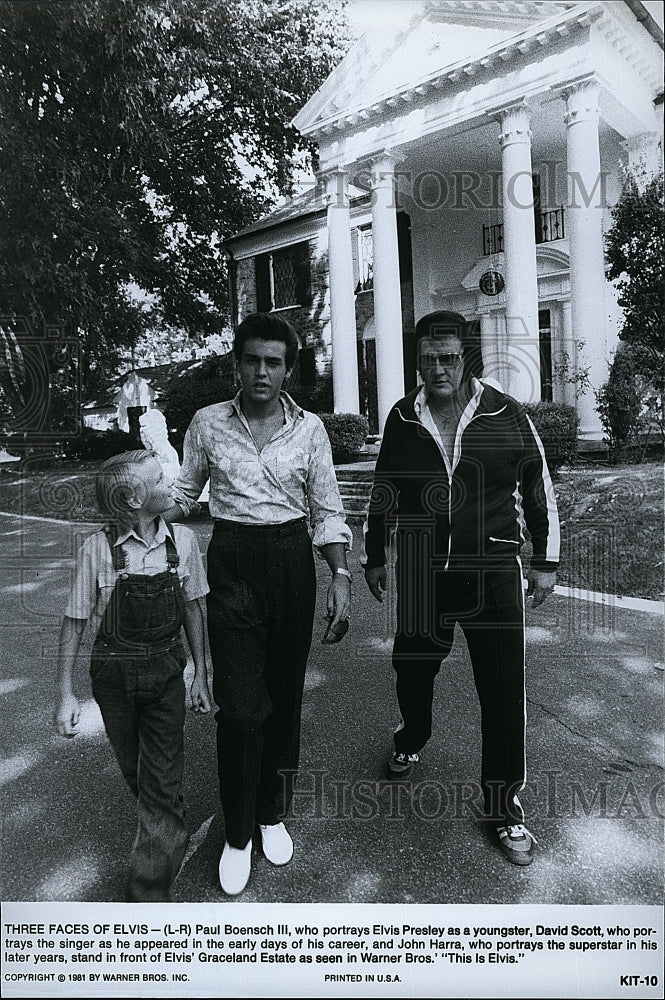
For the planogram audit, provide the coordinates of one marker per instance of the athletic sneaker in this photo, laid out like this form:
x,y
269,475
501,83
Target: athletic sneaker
x,y
400,764
516,843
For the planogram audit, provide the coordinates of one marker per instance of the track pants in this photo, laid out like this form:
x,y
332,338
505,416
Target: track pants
x,y
488,604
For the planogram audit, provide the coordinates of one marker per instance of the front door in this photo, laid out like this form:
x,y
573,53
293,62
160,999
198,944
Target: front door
x,y
545,344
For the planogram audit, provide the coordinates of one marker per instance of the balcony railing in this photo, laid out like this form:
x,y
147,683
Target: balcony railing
x,y
550,226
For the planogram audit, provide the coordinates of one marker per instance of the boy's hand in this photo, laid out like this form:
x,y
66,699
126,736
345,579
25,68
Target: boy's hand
x,y
67,715
200,695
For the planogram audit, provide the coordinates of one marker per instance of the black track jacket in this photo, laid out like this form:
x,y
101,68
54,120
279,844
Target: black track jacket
x,y
499,483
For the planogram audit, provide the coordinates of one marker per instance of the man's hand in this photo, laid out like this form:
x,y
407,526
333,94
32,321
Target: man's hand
x,y
339,599
200,694
540,586
67,715
377,581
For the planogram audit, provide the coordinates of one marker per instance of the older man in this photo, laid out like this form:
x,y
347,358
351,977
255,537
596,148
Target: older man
x,y
460,468
272,482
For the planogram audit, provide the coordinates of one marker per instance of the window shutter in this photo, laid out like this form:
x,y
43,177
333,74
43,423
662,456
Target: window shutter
x,y
262,272
354,259
307,366
303,275
537,212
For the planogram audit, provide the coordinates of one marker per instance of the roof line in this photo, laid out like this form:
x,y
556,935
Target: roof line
x,y
645,18
262,227
531,37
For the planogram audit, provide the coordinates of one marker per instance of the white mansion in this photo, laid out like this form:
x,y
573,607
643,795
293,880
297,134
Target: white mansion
x,y
469,160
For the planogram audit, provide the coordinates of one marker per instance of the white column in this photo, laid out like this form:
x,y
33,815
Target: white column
x,y
493,363
584,228
519,243
569,346
342,298
387,295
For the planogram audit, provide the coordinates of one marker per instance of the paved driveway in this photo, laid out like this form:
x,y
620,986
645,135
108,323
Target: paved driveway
x,y
595,798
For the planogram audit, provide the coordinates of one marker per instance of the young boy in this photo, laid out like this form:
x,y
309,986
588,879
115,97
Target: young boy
x,y
137,582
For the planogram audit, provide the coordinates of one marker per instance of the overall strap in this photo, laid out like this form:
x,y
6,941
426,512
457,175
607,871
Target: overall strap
x,y
172,557
117,552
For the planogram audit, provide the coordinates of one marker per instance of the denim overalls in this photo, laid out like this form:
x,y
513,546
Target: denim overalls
x,y
137,680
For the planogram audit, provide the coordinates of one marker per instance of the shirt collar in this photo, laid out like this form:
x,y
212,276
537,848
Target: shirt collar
x,y
289,405
420,401
160,535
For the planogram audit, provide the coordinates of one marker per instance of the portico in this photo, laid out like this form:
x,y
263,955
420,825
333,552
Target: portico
x,y
494,138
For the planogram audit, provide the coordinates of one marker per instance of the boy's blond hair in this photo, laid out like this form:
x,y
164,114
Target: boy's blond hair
x,y
115,484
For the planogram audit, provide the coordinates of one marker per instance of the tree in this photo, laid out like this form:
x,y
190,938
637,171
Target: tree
x,y
632,401
635,253
134,138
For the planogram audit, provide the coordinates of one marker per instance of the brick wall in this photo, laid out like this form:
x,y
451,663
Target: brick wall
x,y
310,321
245,288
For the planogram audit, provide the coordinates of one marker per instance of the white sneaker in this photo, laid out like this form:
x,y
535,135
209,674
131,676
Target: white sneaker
x,y
234,867
277,843
516,842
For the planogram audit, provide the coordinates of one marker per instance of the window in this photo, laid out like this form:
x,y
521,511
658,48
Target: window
x,y
545,339
363,259
283,278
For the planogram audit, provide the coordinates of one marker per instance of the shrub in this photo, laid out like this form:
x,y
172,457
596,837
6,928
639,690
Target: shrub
x,y
347,433
211,381
630,403
557,426
317,398
98,445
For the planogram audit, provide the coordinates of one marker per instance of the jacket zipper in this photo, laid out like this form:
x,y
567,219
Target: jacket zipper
x,y
453,466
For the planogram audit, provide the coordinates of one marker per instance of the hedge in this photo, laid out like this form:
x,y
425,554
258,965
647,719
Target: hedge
x,y
347,433
210,382
99,445
557,426
630,403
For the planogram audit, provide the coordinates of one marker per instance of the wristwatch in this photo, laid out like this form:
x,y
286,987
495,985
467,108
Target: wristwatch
x,y
344,572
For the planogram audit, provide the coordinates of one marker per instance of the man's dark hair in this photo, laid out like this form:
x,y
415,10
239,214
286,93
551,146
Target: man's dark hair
x,y
266,326
440,324
452,324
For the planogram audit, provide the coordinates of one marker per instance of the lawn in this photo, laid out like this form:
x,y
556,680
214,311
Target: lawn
x,y
611,518
612,529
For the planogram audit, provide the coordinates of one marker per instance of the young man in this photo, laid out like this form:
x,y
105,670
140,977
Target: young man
x,y
137,582
272,480
459,463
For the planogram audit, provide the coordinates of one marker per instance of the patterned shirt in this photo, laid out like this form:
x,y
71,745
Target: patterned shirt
x,y
292,476
95,577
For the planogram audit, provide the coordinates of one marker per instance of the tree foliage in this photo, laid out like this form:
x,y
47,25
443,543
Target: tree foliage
x,y
635,253
631,404
134,138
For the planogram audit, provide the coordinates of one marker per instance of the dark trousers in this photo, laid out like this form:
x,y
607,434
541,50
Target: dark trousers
x,y
142,701
260,617
488,604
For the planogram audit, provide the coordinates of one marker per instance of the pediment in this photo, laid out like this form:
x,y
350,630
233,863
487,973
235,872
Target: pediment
x,y
397,54
550,261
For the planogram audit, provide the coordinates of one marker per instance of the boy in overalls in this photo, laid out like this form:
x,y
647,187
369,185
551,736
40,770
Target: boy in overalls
x,y
137,582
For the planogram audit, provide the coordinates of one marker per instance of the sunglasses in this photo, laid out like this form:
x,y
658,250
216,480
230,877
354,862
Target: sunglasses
x,y
444,360
335,633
